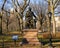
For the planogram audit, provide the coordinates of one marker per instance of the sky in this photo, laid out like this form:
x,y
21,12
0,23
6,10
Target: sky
x,y
6,6
20,1
9,6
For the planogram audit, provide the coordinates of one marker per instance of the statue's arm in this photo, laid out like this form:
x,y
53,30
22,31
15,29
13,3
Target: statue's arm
x,y
34,15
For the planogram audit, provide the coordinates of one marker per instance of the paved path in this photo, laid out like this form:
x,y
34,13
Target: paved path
x,y
31,36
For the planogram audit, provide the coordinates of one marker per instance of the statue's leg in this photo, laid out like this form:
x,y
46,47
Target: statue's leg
x,y
34,23
26,24
31,22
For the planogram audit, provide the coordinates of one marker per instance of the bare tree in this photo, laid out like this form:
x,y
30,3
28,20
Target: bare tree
x,y
2,14
52,5
18,11
40,10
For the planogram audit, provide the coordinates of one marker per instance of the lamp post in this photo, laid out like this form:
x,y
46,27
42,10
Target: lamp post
x,y
50,37
3,42
50,15
15,38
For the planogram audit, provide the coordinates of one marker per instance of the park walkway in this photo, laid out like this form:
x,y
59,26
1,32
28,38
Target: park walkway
x,y
31,36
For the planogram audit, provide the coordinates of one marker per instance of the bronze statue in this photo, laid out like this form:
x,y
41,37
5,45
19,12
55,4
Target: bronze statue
x,y
29,19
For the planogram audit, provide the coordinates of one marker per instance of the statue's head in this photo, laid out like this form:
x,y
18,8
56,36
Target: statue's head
x,y
29,8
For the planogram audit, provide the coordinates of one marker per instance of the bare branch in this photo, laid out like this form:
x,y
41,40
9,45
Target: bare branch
x,y
21,8
3,4
56,4
18,4
55,1
25,5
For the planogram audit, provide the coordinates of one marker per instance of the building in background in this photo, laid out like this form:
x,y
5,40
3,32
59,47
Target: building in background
x,y
57,19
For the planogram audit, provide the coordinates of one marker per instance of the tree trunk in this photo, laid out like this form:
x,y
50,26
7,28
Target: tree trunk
x,y
0,25
51,9
53,18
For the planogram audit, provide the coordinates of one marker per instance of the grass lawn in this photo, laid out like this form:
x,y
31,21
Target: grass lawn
x,y
43,38
40,37
9,38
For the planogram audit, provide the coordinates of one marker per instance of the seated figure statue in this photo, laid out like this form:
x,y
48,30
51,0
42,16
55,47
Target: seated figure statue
x,y
29,19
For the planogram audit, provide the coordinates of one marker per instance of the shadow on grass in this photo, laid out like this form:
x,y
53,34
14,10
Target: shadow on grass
x,y
46,41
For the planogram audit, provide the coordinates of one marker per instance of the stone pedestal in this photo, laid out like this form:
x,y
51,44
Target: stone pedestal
x,y
31,36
